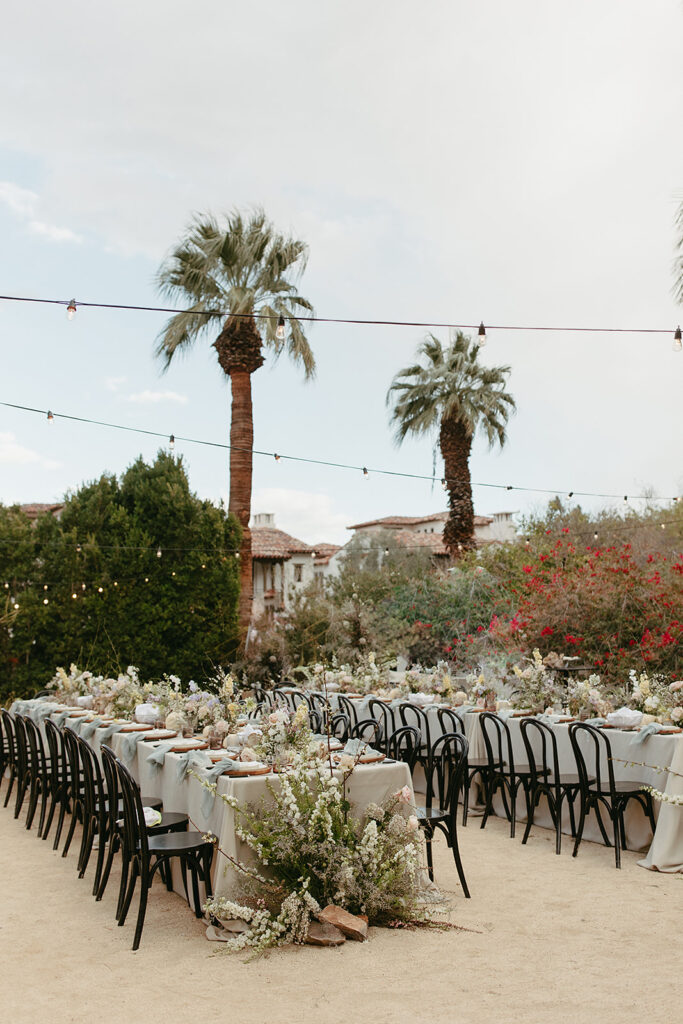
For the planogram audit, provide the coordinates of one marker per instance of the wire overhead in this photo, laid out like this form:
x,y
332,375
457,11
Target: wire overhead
x,y
482,331
365,470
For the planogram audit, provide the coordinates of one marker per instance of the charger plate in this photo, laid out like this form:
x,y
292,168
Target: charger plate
x,y
160,734
252,771
136,727
182,746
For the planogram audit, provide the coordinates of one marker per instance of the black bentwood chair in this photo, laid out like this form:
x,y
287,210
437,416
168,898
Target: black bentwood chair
x,y
59,781
349,708
502,773
10,763
41,774
450,721
448,760
546,779
384,714
144,854
368,730
603,792
414,716
403,745
339,727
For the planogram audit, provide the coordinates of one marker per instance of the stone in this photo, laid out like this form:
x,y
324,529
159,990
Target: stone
x,y
353,927
320,933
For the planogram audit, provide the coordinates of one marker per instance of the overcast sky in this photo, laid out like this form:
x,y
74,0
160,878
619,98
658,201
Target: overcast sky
x,y
519,163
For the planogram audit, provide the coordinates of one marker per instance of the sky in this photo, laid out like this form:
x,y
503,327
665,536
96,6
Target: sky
x,y
520,164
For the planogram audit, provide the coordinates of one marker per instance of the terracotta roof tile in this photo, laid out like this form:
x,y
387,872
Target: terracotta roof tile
x,y
267,542
402,521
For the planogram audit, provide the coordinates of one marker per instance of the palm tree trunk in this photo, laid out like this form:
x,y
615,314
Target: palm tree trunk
x,y
456,443
241,444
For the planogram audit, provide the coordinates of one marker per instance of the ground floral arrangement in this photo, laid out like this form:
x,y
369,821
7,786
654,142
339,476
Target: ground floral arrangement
x,y
316,861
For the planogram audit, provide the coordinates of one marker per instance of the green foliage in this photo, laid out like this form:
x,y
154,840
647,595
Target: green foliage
x,y
182,620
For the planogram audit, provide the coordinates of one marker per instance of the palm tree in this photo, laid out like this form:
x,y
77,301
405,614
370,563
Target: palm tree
x,y
459,395
231,273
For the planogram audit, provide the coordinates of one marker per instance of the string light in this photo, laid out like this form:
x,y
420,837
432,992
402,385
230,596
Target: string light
x,y
116,583
100,590
82,586
50,417
280,329
79,548
171,442
595,535
444,483
571,494
276,456
146,579
158,552
678,340
74,596
338,320
71,310
325,462
45,586
45,601
481,335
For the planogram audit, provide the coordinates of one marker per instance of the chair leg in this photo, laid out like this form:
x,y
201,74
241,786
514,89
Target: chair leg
x,y
123,884
32,802
558,823
617,813
44,792
102,843
207,860
86,846
21,793
104,878
142,909
458,863
430,864
602,827
572,819
60,822
72,829
195,887
12,776
531,807
579,831
50,815
135,871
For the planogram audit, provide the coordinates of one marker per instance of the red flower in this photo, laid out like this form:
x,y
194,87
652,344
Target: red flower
x,y
547,631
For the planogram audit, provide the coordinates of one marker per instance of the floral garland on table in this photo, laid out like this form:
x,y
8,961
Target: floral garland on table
x,y
317,854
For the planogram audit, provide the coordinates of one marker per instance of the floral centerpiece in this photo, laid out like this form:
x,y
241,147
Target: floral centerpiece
x,y
652,695
67,688
586,699
536,688
285,734
316,853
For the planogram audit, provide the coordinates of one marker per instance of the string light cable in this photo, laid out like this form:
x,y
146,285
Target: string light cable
x,y
364,470
483,332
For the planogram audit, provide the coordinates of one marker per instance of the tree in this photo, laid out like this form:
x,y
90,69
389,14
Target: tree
x,y
175,613
232,273
455,393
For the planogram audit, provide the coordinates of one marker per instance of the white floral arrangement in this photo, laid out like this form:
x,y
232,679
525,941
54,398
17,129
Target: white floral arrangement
x,y
315,853
653,696
284,734
75,684
585,696
536,687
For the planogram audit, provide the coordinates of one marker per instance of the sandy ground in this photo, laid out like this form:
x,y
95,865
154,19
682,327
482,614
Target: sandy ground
x,y
553,939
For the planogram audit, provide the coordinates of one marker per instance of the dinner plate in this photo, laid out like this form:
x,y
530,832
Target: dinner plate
x,y
136,727
160,734
183,745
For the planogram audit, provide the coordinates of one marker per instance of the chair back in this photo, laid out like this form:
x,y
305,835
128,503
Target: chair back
x,y
348,707
497,741
134,837
448,765
315,721
93,797
318,703
414,716
73,763
541,750
111,783
384,714
21,746
369,730
58,757
339,726
404,745
36,749
598,742
10,740
450,721
262,697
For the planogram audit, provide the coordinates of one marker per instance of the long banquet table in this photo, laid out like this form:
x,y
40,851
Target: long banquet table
x,y
665,849
184,793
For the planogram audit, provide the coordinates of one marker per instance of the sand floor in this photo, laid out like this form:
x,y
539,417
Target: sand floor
x,y
555,939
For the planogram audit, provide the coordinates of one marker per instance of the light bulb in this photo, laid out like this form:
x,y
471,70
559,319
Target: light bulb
x,y
678,340
79,548
171,442
626,497
82,586
173,573
571,494
71,310
45,601
16,606
74,596
50,417
444,484
276,457
203,565
115,583
481,334
158,552
365,471
595,535
100,590
664,526
280,329
44,586
146,579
